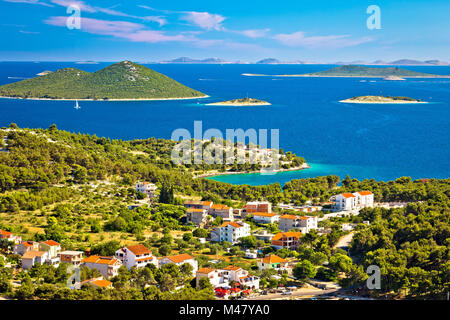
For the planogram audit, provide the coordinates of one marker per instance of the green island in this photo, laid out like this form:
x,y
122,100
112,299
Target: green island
x,y
79,190
361,72
241,102
121,81
381,99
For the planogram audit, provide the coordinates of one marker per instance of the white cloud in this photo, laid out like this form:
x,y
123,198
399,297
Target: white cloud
x,y
205,20
299,39
255,33
30,2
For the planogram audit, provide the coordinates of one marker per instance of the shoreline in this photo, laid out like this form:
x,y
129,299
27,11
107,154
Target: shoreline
x,y
209,175
239,104
383,102
105,100
321,76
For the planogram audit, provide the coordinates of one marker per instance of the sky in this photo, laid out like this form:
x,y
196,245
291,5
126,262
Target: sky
x,y
245,30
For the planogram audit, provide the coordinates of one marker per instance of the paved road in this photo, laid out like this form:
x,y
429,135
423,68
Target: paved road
x,y
298,293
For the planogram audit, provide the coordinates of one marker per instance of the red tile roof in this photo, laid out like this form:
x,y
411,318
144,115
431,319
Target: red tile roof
x,y
233,268
281,235
272,258
180,258
139,249
4,233
348,195
100,260
206,270
365,193
234,224
32,254
51,243
101,283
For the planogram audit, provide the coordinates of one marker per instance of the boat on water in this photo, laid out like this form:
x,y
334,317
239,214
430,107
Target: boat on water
x,y
77,106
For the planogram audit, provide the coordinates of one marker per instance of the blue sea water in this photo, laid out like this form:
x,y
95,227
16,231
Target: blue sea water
x,y
383,142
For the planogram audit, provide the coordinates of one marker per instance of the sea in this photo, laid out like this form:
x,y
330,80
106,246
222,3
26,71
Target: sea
x,y
366,141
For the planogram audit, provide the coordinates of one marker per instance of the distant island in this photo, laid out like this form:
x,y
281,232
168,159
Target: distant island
x,y
361,72
241,102
381,99
121,81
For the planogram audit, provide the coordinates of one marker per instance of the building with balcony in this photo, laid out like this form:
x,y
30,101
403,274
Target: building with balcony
x,y
107,266
196,216
352,201
286,240
221,210
303,223
136,256
71,257
146,188
263,217
231,232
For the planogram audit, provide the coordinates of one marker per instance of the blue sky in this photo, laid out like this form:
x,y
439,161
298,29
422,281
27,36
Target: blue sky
x,y
142,30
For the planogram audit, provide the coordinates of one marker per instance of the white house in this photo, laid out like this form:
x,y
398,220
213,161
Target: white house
x,y
179,260
263,217
146,188
231,232
30,258
53,248
136,256
26,246
107,266
224,277
221,210
10,237
352,201
272,261
303,223
196,216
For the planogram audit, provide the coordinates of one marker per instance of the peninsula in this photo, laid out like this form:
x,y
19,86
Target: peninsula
x,y
381,99
121,81
241,102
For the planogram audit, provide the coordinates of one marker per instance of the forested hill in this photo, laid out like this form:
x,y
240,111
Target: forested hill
x,y
363,71
123,80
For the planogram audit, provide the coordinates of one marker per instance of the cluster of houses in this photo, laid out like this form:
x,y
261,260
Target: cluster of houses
x,y
352,201
233,228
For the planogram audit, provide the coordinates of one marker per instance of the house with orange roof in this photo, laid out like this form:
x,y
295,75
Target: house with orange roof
x,y
206,205
222,278
286,240
221,210
107,266
53,248
26,246
352,201
97,283
196,216
258,206
146,188
230,231
179,260
30,258
136,256
10,237
264,217
272,261
302,223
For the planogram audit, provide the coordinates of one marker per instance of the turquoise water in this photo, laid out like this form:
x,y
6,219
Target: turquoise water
x,y
366,141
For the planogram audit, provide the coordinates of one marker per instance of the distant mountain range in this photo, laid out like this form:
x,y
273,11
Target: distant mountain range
x,y
401,62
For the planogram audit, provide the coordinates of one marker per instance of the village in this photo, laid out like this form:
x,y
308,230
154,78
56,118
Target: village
x,y
230,281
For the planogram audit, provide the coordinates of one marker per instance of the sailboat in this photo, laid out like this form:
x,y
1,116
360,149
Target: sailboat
x,y
77,106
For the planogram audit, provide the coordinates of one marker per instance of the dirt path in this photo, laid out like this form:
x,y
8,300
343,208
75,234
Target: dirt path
x,y
344,242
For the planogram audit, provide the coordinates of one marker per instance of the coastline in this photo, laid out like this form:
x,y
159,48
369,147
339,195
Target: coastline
x,y
239,104
209,175
383,102
146,99
322,76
